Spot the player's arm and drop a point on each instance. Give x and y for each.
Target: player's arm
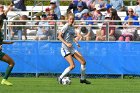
(8, 8)
(62, 40)
(4, 42)
(76, 41)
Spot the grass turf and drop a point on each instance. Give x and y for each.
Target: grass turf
(49, 85)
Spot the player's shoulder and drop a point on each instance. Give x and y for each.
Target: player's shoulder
(65, 26)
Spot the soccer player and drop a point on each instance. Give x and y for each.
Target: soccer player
(67, 36)
(4, 57)
(3, 14)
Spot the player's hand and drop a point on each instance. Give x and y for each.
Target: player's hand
(78, 45)
(77, 39)
(69, 45)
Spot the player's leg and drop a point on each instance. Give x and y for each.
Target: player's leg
(67, 55)
(11, 64)
(80, 58)
(68, 69)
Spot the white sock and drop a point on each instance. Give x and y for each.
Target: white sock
(66, 71)
(83, 72)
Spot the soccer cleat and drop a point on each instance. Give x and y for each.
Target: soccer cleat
(85, 81)
(5, 82)
(59, 80)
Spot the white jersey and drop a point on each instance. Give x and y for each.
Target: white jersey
(68, 36)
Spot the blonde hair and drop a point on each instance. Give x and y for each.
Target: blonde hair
(71, 14)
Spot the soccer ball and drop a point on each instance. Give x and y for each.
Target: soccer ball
(66, 81)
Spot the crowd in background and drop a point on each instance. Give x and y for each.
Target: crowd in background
(83, 10)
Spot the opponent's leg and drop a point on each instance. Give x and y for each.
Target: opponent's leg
(11, 63)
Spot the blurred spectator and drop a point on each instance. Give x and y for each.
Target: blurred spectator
(75, 5)
(78, 12)
(131, 15)
(128, 31)
(108, 8)
(19, 29)
(37, 19)
(47, 11)
(37, 13)
(56, 8)
(57, 2)
(114, 16)
(3, 14)
(42, 32)
(51, 33)
(118, 5)
(101, 35)
(137, 9)
(86, 16)
(19, 5)
(89, 4)
(62, 17)
(52, 15)
(85, 33)
(61, 22)
(102, 4)
(97, 15)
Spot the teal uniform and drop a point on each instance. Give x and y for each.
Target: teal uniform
(1, 40)
(2, 17)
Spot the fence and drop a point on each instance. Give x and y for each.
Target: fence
(56, 27)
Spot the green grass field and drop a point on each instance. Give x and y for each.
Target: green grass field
(49, 85)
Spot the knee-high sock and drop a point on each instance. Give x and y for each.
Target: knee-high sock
(83, 72)
(8, 72)
(66, 71)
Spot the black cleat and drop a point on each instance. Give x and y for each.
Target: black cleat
(85, 81)
(59, 80)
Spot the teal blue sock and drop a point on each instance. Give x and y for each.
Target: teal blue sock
(8, 72)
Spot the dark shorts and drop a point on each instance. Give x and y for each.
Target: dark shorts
(1, 54)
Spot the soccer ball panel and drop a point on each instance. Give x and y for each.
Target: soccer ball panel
(66, 81)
